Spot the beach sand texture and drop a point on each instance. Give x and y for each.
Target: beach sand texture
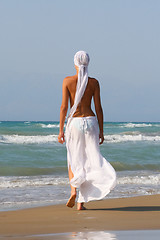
(112, 214)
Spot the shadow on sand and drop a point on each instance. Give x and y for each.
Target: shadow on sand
(137, 208)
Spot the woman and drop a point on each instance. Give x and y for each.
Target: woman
(87, 168)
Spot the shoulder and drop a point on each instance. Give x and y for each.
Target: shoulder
(94, 82)
(68, 79)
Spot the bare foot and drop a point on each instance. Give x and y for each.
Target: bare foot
(71, 201)
(80, 206)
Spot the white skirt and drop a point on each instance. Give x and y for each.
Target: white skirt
(93, 174)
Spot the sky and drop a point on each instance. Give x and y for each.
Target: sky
(38, 40)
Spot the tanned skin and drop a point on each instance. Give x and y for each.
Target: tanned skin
(83, 110)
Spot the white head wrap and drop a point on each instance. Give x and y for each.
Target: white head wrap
(81, 60)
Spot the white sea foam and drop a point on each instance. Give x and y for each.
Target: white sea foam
(18, 139)
(21, 182)
(22, 192)
(34, 181)
(136, 125)
(140, 180)
(117, 138)
(43, 139)
(49, 125)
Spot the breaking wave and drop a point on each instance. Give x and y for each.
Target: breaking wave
(18, 139)
(43, 139)
(136, 125)
(117, 138)
(22, 182)
(140, 180)
(49, 125)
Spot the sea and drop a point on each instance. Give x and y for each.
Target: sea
(33, 165)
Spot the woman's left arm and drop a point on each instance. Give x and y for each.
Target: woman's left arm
(63, 111)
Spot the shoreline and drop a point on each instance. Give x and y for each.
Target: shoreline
(59, 204)
(132, 213)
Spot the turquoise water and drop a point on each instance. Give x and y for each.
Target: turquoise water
(33, 167)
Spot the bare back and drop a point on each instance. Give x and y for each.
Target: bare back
(84, 107)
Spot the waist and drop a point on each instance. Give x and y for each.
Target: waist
(88, 117)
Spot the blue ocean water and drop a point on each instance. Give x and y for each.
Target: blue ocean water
(33, 166)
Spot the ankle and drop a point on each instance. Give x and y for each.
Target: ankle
(73, 192)
(80, 206)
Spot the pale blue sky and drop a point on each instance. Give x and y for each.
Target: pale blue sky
(38, 40)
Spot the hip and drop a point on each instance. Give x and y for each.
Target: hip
(84, 124)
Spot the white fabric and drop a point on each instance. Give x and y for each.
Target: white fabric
(81, 60)
(93, 175)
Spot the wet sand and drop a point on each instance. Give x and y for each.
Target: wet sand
(136, 213)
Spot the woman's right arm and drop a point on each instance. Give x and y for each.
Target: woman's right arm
(63, 111)
(99, 111)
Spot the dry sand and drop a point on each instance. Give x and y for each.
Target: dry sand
(111, 214)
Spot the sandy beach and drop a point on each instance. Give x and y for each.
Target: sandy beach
(112, 214)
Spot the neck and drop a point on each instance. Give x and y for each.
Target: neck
(77, 70)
